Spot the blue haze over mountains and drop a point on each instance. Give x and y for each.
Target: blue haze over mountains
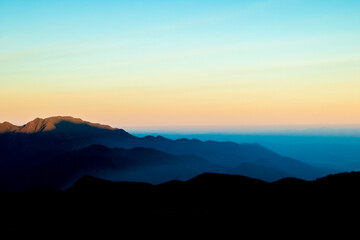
(325, 147)
(53, 153)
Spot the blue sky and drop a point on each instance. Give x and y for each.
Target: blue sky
(260, 62)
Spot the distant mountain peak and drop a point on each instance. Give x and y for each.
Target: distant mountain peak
(7, 127)
(36, 125)
(39, 125)
(58, 119)
(64, 118)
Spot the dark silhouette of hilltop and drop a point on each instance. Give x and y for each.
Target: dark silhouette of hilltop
(211, 194)
(94, 205)
(329, 198)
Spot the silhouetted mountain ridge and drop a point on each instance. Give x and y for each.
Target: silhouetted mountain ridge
(218, 181)
(209, 200)
(58, 146)
(48, 124)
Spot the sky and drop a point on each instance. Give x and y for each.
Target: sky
(190, 63)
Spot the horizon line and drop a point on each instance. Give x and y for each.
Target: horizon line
(250, 129)
(218, 128)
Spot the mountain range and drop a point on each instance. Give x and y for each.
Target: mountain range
(52, 153)
(72, 176)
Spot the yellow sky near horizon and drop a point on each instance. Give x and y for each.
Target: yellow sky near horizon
(203, 104)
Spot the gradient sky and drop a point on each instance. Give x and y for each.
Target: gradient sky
(135, 63)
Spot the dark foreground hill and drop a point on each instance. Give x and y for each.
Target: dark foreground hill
(206, 203)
